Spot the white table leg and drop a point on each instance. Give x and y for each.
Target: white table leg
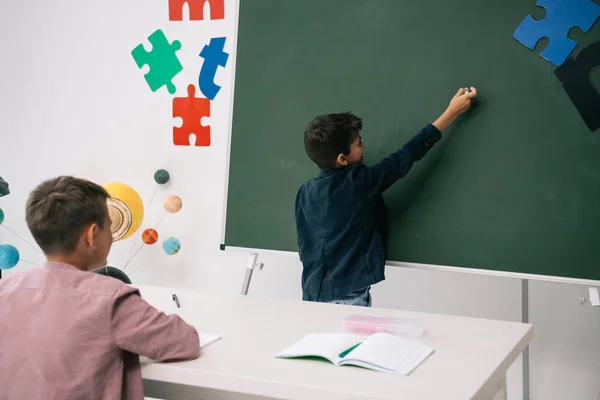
(502, 393)
(504, 389)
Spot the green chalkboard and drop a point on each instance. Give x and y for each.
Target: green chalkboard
(513, 186)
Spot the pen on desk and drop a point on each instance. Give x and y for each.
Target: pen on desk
(176, 300)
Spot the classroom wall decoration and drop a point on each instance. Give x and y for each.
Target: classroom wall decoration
(9, 254)
(161, 176)
(162, 60)
(125, 208)
(132, 215)
(214, 57)
(4, 190)
(173, 204)
(114, 273)
(196, 7)
(561, 17)
(150, 236)
(171, 246)
(573, 74)
(192, 110)
(164, 64)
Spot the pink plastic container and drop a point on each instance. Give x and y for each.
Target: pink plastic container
(367, 325)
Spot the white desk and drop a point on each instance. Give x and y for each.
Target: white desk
(470, 360)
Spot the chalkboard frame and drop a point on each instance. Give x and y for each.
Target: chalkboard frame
(411, 265)
(430, 267)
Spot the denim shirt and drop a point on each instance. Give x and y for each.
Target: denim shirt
(341, 221)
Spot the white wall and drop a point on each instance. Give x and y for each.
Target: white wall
(74, 102)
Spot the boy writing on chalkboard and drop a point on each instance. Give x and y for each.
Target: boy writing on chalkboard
(71, 334)
(341, 215)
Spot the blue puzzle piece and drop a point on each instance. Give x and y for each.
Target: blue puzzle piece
(561, 16)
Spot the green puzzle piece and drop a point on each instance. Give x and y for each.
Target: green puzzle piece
(162, 60)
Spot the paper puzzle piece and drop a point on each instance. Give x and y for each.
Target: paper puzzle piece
(575, 77)
(214, 56)
(196, 8)
(561, 16)
(191, 110)
(162, 60)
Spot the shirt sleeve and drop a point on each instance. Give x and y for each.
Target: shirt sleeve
(140, 328)
(379, 177)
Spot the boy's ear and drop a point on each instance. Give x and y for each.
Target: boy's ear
(91, 235)
(341, 160)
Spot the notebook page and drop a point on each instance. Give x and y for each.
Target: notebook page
(206, 340)
(328, 346)
(388, 353)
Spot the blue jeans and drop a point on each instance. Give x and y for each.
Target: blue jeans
(359, 298)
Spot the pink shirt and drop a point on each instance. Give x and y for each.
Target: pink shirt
(70, 334)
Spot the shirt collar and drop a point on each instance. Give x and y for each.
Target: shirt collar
(329, 172)
(59, 265)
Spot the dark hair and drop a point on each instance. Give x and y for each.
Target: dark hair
(58, 210)
(328, 136)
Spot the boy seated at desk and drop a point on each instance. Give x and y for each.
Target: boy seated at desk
(341, 217)
(70, 334)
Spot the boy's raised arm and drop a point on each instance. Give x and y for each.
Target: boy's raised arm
(381, 176)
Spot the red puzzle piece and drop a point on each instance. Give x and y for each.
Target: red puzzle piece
(191, 109)
(196, 7)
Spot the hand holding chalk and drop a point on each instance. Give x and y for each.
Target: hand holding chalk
(461, 101)
(467, 90)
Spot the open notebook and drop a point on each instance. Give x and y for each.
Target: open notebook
(380, 352)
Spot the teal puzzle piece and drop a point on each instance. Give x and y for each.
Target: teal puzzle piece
(162, 60)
